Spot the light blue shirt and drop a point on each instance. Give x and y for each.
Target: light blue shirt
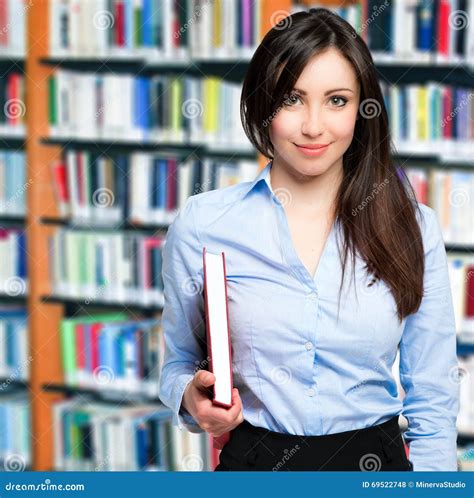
(298, 369)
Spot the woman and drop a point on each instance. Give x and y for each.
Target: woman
(312, 361)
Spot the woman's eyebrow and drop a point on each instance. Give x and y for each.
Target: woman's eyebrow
(325, 93)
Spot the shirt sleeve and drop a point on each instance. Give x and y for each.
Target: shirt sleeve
(182, 319)
(428, 363)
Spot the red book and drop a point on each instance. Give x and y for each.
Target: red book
(447, 104)
(149, 244)
(3, 24)
(61, 190)
(95, 329)
(13, 94)
(470, 293)
(80, 347)
(171, 185)
(80, 178)
(119, 24)
(443, 27)
(219, 347)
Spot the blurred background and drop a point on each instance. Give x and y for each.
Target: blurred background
(113, 114)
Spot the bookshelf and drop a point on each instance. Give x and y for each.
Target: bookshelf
(46, 310)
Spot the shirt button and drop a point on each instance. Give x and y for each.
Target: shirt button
(309, 345)
(310, 392)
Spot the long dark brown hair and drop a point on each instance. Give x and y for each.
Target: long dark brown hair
(381, 226)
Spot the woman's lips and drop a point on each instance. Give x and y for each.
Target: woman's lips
(312, 152)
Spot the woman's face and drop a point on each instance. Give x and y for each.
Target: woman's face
(321, 110)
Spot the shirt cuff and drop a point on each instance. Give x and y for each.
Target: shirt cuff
(181, 417)
(437, 453)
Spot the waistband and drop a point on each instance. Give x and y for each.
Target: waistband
(389, 427)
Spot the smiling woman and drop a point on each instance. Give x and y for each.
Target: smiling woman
(314, 388)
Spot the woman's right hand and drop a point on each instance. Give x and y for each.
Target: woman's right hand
(216, 420)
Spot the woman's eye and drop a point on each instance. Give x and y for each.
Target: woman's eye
(292, 99)
(340, 99)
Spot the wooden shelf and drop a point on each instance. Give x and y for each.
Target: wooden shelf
(108, 396)
(85, 302)
(126, 225)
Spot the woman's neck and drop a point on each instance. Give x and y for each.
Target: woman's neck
(308, 196)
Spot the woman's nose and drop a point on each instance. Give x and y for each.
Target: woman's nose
(312, 124)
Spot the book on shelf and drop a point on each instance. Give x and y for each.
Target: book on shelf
(121, 267)
(226, 30)
(13, 271)
(461, 276)
(120, 29)
(465, 419)
(13, 104)
(466, 458)
(92, 436)
(166, 109)
(140, 187)
(14, 344)
(430, 118)
(13, 23)
(12, 183)
(450, 192)
(411, 30)
(15, 442)
(155, 30)
(109, 352)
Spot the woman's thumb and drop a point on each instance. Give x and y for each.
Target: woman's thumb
(205, 379)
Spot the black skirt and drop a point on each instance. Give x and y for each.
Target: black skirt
(376, 448)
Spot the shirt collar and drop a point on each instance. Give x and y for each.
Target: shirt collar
(264, 176)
